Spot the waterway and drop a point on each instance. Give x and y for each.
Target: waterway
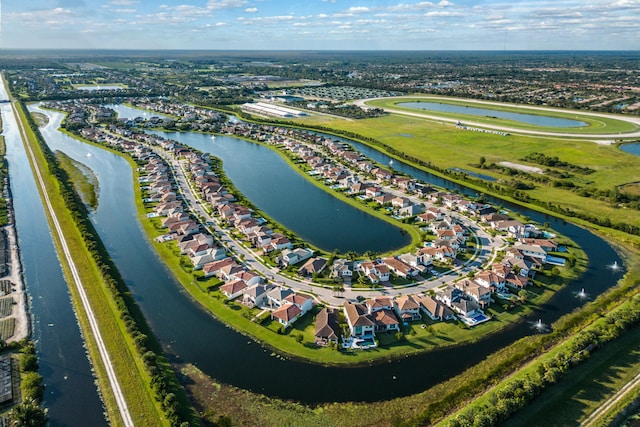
(531, 119)
(93, 88)
(633, 148)
(266, 179)
(190, 334)
(71, 396)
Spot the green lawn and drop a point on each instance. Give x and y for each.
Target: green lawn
(433, 142)
(587, 387)
(595, 125)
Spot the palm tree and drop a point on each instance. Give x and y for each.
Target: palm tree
(28, 414)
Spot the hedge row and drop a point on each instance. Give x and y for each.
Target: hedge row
(516, 394)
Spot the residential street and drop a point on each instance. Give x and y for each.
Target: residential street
(486, 250)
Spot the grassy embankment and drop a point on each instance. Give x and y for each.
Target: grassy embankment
(594, 125)
(83, 178)
(433, 143)
(609, 366)
(129, 368)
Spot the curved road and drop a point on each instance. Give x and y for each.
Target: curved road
(600, 137)
(487, 248)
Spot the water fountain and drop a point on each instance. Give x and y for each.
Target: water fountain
(539, 326)
(615, 267)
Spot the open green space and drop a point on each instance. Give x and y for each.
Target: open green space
(587, 387)
(433, 143)
(595, 125)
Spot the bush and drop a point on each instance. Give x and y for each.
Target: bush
(32, 386)
(28, 362)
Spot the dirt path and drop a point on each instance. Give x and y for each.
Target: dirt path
(21, 307)
(611, 402)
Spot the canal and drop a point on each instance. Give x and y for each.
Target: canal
(70, 393)
(190, 334)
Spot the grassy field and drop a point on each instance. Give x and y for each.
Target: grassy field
(83, 178)
(595, 125)
(587, 387)
(134, 379)
(435, 142)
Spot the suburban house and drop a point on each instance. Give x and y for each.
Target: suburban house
(479, 293)
(212, 268)
(312, 266)
(436, 310)
(358, 319)
(466, 307)
(276, 296)
(407, 308)
(342, 269)
(385, 320)
(534, 251)
(303, 302)
(287, 314)
(327, 328)
(233, 289)
(449, 295)
(293, 256)
(376, 273)
(400, 268)
(254, 295)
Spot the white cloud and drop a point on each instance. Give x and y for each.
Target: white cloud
(358, 9)
(251, 10)
(445, 14)
(123, 2)
(225, 4)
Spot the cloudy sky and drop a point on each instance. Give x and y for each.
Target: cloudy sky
(322, 24)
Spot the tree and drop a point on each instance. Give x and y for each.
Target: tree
(523, 295)
(28, 414)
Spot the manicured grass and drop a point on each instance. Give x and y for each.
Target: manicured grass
(434, 142)
(131, 373)
(605, 125)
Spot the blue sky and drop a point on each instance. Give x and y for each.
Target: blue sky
(322, 24)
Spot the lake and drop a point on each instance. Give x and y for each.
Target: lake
(92, 88)
(633, 148)
(531, 119)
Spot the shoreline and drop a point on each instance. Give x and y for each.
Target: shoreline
(20, 312)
